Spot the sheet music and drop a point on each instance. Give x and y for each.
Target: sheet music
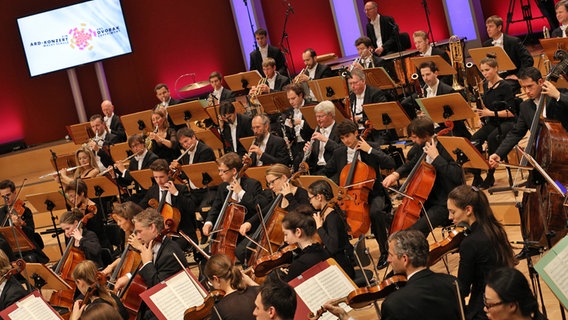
(329, 284)
(33, 307)
(176, 297)
(556, 269)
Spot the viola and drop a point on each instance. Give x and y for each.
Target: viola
(204, 310)
(17, 267)
(278, 259)
(362, 297)
(449, 245)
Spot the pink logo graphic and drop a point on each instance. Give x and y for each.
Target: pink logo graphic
(81, 37)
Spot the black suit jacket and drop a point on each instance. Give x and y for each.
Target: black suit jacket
(556, 33)
(306, 131)
(516, 51)
(333, 143)
(555, 110)
(276, 151)
(203, 153)
(226, 95)
(388, 34)
(133, 166)
(372, 95)
(323, 71)
(273, 52)
(13, 291)
(426, 296)
(244, 129)
(280, 82)
(117, 128)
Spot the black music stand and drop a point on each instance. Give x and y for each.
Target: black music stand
(275, 102)
(145, 177)
(52, 201)
(310, 116)
(503, 59)
(203, 174)
(379, 78)
(333, 88)
(138, 122)
(446, 107)
(386, 115)
(187, 112)
(444, 68)
(80, 133)
(243, 80)
(464, 153)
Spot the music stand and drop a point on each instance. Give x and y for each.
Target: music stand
(503, 60)
(81, 132)
(258, 173)
(247, 141)
(379, 78)
(310, 115)
(120, 151)
(464, 153)
(40, 200)
(214, 111)
(185, 112)
(386, 115)
(210, 139)
(276, 102)
(145, 177)
(446, 107)
(307, 180)
(198, 172)
(444, 68)
(64, 161)
(333, 88)
(45, 278)
(243, 80)
(137, 122)
(23, 243)
(101, 187)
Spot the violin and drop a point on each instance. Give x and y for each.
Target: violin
(17, 267)
(362, 297)
(449, 245)
(204, 310)
(17, 208)
(278, 259)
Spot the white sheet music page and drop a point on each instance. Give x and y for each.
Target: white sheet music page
(33, 307)
(556, 269)
(331, 283)
(177, 296)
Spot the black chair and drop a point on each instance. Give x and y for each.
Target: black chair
(363, 277)
(405, 41)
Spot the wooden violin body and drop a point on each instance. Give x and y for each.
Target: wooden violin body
(204, 310)
(226, 239)
(272, 238)
(449, 245)
(278, 259)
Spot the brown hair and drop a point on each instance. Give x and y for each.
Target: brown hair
(220, 265)
(86, 270)
(421, 127)
(231, 160)
(69, 217)
(496, 20)
(126, 210)
(162, 113)
(4, 263)
(300, 218)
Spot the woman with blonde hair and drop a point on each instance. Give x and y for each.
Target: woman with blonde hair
(88, 168)
(164, 139)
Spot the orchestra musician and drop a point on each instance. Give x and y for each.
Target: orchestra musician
(176, 195)
(23, 218)
(233, 127)
(324, 140)
(299, 228)
(87, 166)
(240, 290)
(498, 100)
(85, 276)
(276, 300)
(164, 139)
(382, 30)
(561, 9)
(425, 49)
(508, 296)
(219, 93)
(274, 80)
(367, 57)
(163, 94)
(102, 138)
(536, 88)
(157, 253)
(484, 249)
(265, 51)
(448, 173)
(331, 225)
(269, 148)
(97, 312)
(427, 294)
(10, 289)
(83, 239)
(312, 71)
(295, 122)
(373, 156)
(142, 160)
(112, 121)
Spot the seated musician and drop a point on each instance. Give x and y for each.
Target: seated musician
(513, 46)
(10, 289)
(274, 80)
(382, 30)
(83, 239)
(23, 218)
(76, 193)
(99, 311)
(176, 195)
(267, 148)
(448, 173)
(246, 191)
(220, 93)
(431, 295)
(240, 290)
(367, 57)
(197, 152)
(164, 139)
(157, 253)
(312, 71)
(86, 278)
(297, 128)
(372, 156)
(276, 300)
(324, 140)
(163, 94)
(498, 100)
(142, 160)
(112, 121)
(123, 213)
(331, 225)
(88, 168)
(100, 142)
(266, 51)
(233, 127)
(299, 228)
(485, 248)
(425, 49)
(537, 88)
(561, 9)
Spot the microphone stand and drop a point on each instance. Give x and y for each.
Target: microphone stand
(395, 29)
(285, 47)
(427, 13)
(251, 24)
(54, 157)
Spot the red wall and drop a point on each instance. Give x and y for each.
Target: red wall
(492, 7)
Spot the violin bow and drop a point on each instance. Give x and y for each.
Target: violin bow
(11, 207)
(460, 302)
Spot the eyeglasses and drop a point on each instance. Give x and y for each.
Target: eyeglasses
(491, 305)
(311, 197)
(270, 183)
(221, 171)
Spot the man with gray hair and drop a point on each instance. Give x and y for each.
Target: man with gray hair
(325, 138)
(267, 148)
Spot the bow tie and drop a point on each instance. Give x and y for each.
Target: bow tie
(496, 42)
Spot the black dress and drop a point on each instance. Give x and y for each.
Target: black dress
(334, 235)
(164, 152)
(309, 257)
(237, 305)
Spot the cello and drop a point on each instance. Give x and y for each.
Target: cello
(356, 181)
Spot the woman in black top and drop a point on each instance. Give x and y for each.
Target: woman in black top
(240, 291)
(331, 225)
(486, 248)
(164, 141)
(497, 115)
